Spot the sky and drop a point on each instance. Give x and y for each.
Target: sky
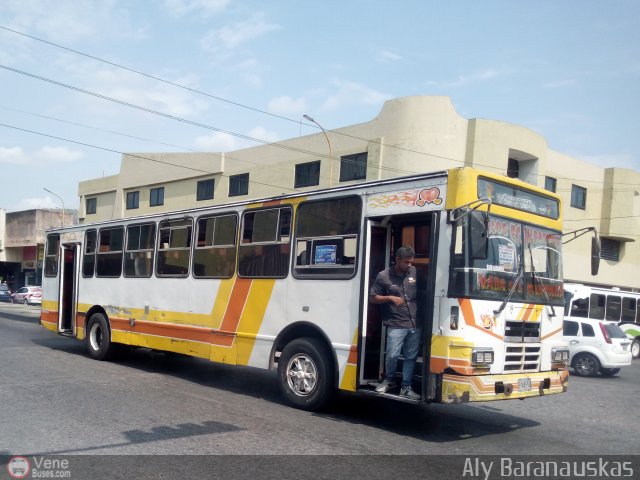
(84, 80)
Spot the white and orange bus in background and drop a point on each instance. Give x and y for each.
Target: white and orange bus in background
(282, 283)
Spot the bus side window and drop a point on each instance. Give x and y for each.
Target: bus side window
(597, 306)
(613, 308)
(264, 248)
(51, 257)
(89, 258)
(628, 309)
(580, 308)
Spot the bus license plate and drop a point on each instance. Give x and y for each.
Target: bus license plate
(524, 384)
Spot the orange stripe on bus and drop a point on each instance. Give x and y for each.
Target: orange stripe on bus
(469, 318)
(237, 300)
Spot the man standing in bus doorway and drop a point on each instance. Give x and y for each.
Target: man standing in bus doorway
(395, 289)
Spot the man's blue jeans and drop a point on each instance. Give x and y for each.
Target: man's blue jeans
(396, 338)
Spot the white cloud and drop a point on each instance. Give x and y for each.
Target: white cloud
(57, 155)
(134, 89)
(217, 142)
(352, 93)
(387, 56)
(288, 106)
(475, 77)
(262, 133)
(13, 156)
(230, 37)
(36, 202)
(67, 21)
(223, 142)
(44, 156)
(179, 8)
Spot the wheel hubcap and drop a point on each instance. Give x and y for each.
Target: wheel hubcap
(585, 365)
(95, 336)
(302, 375)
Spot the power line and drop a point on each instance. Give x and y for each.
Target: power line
(241, 105)
(135, 155)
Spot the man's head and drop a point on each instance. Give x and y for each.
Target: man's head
(404, 258)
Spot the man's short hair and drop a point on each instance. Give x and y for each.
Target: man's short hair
(405, 252)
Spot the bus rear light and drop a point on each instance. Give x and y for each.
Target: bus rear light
(605, 334)
(482, 356)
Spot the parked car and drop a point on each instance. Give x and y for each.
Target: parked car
(5, 293)
(596, 346)
(28, 295)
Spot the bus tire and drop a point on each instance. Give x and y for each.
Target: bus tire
(586, 365)
(635, 348)
(98, 338)
(305, 374)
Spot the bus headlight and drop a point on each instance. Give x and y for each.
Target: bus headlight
(482, 356)
(559, 355)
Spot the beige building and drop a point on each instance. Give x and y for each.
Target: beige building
(22, 239)
(410, 135)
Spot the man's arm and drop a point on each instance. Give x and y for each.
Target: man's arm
(380, 299)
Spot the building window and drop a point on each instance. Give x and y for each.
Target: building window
(578, 197)
(550, 184)
(91, 206)
(609, 249)
(205, 189)
(307, 174)
(156, 197)
(353, 167)
(133, 200)
(239, 185)
(513, 168)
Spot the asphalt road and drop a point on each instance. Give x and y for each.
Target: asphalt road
(55, 400)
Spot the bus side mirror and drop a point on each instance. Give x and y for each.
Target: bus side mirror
(478, 234)
(595, 255)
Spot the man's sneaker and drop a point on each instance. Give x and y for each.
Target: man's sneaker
(385, 386)
(407, 392)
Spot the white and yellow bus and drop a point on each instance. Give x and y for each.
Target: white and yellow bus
(282, 283)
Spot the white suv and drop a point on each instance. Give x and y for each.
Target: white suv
(596, 346)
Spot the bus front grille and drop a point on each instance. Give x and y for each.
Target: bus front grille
(517, 331)
(522, 358)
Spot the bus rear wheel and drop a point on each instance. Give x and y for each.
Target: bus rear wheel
(305, 374)
(98, 337)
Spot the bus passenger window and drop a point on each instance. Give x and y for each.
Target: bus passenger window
(580, 308)
(138, 259)
(109, 261)
(174, 248)
(51, 257)
(215, 252)
(264, 250)
(597, 306)
(628, 309)
(89, 258)
(327, 233)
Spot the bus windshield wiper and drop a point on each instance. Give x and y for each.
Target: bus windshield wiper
(544, 289)
(510, 294)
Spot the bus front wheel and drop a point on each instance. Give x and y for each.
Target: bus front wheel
(98, 337)
(305, 374)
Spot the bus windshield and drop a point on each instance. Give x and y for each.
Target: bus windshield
(520, 257)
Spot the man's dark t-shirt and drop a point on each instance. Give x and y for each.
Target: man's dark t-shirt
(388, 282)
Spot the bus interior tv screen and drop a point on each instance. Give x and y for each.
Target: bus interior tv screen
(325, 255)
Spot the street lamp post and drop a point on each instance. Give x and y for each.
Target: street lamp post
(328, 142)
(61, 201)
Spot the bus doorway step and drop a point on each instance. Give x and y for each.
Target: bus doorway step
(392, 395)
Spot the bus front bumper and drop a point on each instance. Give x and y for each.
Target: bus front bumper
(484, 388)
